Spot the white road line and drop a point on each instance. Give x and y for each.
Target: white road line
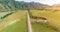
(29, 23)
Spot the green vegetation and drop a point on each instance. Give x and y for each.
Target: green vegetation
(16, 21)
(41, 27)
(6, 15)
(20, 25)
(12, 5)
(52, 17)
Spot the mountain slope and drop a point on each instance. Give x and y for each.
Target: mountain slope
(9, 5)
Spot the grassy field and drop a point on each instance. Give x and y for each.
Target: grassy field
(16, 22)
(52, 17)
(2, 14)
(41, 27)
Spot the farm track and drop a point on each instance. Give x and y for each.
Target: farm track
(7, 23)
(29, 23)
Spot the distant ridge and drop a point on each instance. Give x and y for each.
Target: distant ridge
(9, 5)
(57, 5)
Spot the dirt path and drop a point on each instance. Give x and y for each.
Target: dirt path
(29, 23)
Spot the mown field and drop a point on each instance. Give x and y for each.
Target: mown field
(52, 17)
(16, 22)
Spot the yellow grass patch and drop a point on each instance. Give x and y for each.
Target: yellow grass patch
(52, 17)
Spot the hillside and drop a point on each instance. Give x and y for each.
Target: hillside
(9, 5)
(55, 7)
(35, 5)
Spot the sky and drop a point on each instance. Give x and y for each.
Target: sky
(49, 2)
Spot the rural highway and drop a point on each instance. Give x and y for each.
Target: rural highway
(29, 23)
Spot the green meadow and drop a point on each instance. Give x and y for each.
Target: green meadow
(16, 22)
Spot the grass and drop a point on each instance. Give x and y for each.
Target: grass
(41, 27)
(6, 15)
(2, 14)
(52, 17)
(19, 26)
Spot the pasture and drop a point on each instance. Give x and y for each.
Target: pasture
(52, 17)
(16, 22)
